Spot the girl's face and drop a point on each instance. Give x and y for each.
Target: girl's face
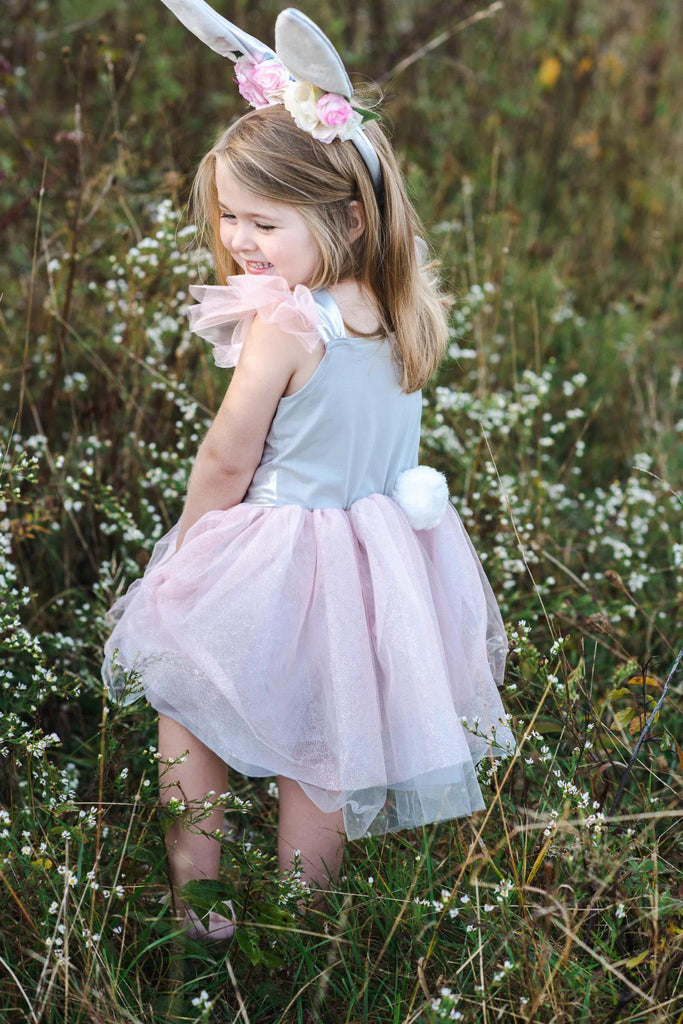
(264, 236)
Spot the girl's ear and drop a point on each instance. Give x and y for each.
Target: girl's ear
(357, 218)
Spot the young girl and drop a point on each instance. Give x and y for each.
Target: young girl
(318, 613)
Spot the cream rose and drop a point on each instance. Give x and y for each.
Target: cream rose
(300, 99)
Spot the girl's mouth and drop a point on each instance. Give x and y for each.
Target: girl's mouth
(258, 268)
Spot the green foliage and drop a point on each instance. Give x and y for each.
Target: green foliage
(540, 145)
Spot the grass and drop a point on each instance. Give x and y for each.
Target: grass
(541, 145)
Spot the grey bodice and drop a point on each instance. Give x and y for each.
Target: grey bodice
(348, 432)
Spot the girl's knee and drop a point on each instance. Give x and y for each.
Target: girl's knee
(317, 835)
(295, 804)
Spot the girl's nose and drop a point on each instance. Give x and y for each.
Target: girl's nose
(241, 240)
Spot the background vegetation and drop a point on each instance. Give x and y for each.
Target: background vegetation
(542, 144)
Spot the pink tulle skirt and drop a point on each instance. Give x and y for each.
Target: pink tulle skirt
(338, 647)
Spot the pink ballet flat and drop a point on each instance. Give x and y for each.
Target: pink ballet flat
(219, 930)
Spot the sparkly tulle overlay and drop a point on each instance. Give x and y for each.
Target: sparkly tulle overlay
(336, 646)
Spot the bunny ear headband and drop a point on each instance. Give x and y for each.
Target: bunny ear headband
(305, 72)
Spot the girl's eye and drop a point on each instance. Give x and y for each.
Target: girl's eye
(263, 227)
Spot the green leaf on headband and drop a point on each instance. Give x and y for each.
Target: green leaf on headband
(368, 115)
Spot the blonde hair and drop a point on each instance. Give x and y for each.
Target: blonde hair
(273, 158)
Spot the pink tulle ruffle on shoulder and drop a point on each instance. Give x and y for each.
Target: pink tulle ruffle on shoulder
(223, 313)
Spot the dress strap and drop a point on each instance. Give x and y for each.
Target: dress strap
(331, 321)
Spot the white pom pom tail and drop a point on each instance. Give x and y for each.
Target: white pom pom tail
(422, 493)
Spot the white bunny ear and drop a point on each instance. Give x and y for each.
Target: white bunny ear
(216, 31)
(308, 54)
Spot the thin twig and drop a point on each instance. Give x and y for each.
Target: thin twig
(644, 733)
(493, 8)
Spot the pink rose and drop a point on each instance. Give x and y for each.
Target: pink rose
(334, 110)
(271, 77)
(258, 80)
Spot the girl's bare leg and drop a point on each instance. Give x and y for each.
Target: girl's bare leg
(190, 854)
(319, 837)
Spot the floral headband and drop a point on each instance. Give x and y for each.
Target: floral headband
(305, 73)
